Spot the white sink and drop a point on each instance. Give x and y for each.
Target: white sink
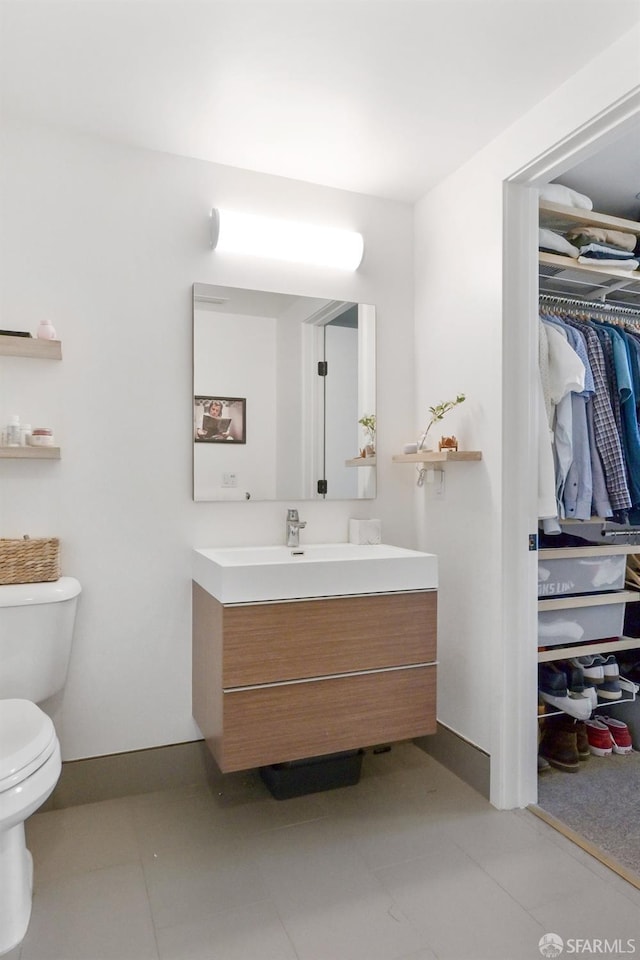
(250, 574)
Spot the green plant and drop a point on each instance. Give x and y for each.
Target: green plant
(368, 422)
(437, 413)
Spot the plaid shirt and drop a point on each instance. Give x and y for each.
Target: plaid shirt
(606, 431)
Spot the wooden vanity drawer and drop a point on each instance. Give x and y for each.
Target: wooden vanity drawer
(267, 725)
(268, 642)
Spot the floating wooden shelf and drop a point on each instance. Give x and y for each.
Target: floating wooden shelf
(437, 456)
(361, 462)
(29, 453)
(30, 347)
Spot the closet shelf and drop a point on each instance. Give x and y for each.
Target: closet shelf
(564, 553)
(30, 347)
(589, 600)
(609, 703)
(595, 273)
(29, 453)
(588, 649)
(556, 216)
(437, 456)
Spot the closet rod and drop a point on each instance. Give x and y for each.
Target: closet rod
(588, 305)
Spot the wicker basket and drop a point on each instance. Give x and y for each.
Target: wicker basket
(29, 561)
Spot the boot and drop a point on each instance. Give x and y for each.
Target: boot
(559, 744)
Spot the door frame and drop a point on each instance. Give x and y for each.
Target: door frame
(513, 759)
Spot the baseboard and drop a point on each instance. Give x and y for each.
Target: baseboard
(183, 764)
(465, 759)
(139, 771)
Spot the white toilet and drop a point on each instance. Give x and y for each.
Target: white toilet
(36, 627)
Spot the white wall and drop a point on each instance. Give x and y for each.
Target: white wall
(235, 356)
(459, 278)
(107, 240)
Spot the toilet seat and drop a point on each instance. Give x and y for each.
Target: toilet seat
(28, 740)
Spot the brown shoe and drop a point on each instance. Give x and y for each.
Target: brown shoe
(582, 741)
(559, 744)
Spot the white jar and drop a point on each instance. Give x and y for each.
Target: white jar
(13, 431)
(25, 434)
(46, 330)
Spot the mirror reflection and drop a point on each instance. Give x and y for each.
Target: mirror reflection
(283, 396)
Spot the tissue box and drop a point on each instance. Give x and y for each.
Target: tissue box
(365, 531)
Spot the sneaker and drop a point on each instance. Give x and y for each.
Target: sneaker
(589, 689)
(552, 688)
(610, 688)
(599, 737)
(592, 670)
(552, 680)
(620, 736)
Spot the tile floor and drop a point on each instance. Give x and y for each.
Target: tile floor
(410, 864)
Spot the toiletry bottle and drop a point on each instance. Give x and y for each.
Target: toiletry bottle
(46, 330)
(25, 434)
(13, 431)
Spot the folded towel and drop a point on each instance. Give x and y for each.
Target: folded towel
(548, 240)
(617, 238)
(556, 193)
(626, 265)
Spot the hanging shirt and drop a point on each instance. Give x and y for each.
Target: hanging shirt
(606, 434)
(577, 494)
(566, 375)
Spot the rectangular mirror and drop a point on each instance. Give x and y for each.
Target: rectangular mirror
(280, 385)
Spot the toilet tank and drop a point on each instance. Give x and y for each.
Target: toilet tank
(36, 628)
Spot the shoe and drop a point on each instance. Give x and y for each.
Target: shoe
(610, 688)
(582, 740)
(600, 741)
(552, 680)
(589, 689)
(543, 765)
(592, 670)
(552, 688)
(620, 736)
(558, 745)
(576, 706)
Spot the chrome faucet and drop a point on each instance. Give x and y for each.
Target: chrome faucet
(294, 526)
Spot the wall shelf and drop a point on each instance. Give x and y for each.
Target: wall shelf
(437, 456)
(30, 347)
(361, 462)
(29, 453)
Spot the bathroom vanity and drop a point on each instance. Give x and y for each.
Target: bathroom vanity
(281, 677)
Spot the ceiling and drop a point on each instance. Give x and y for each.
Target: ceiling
(383, 97)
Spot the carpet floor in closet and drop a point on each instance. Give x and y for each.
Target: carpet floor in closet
(601, 803)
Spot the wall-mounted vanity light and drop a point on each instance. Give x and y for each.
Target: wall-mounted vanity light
(285, 240)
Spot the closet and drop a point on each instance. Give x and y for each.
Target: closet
(589, 554)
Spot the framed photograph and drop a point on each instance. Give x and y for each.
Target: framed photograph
(219, 419)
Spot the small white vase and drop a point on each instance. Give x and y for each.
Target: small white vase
(46, 330)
